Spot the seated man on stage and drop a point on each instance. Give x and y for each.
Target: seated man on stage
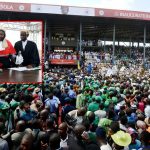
(28, 50)
(6, 51)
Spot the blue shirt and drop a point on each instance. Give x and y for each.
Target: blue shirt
(52, 104)
(27, 116)
(72, 94)
(89, 68)
(137, 145)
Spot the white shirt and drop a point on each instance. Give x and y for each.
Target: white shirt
(24, 43)
(74, 57)
(1, 48)
(106, 147)
(73, 114)
(147, 111)
(63, 143)
(123, 127)
(69, 57)
(57, 99)
(100, 113)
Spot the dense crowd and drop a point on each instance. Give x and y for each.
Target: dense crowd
(119, 103)
(77, 110)
(121, 52)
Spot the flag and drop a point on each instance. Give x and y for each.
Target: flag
(79, 65)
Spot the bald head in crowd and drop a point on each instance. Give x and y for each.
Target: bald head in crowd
(20, 126)
(81, 111)
(79, 129)
(54, 141)
(44, 114)
(62, 129)
(26, 142)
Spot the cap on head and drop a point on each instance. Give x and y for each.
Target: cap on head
(100, 132)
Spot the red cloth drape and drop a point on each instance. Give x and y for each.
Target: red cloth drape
(9, 50)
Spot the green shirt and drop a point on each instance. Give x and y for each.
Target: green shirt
(80, 102)
(93, 106)
(104, 122)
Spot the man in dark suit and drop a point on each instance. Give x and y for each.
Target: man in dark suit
(28, 50)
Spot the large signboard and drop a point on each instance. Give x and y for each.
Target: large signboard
(73, 10)
(20, 7)
(63, 59)
(66, 10)
(122, 14)
(63, 62)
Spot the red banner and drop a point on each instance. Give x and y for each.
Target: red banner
(21, 7)
(63, 62)
(122, 14)
(72, 10)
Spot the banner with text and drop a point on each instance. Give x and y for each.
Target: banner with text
(63, 62)
(20, 7)
(122, 14)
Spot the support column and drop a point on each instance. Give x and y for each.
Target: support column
(118, 43)
(144, 44)
(104, 51)
(45, 26)
(114, 34)
(130, 47)
(77, 39)
(49, 40)
(138, 44)
(80, 41)
(104, 45)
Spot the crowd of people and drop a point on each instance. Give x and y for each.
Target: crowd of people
(77, 110)
(112, 111)
(121, 52)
